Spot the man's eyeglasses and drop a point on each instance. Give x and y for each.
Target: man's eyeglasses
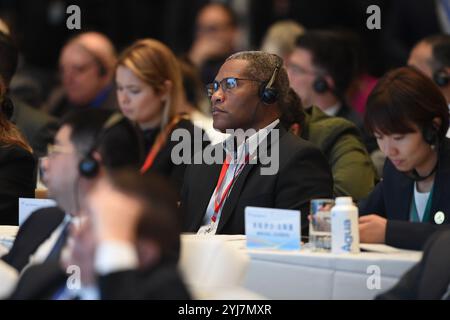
(53, 149)
(226, 83)
(295, 68)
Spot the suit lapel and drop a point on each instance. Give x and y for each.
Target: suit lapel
(207, 183)
(233, 198)
(236, 191)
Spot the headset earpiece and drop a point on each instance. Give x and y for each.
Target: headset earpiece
(441, 78)
(430, 135)
(320, 85)
(89, 166)
(267, 92)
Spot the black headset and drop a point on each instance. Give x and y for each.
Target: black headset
(320, 85)
(267, 92)
(430, 135)
(441, 77)
(89, 166)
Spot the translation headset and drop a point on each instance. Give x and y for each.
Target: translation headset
(431, 136)
(89, 166)
(320, 85)
(267, 92)
(441, 77)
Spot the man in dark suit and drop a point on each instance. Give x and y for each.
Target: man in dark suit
(321, 69)
(119, 256)
(265, 166)
(430, 278)
(89, 139)
(87, 63)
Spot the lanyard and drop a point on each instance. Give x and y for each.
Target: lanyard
(160, 141)
(220, 195)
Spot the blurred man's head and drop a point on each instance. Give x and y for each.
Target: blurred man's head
(321, 68)
(217, 22)
(84, 134)
(87, 65)
(432, 56)
(141, 209)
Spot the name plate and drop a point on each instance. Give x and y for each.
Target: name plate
(268, 228)
(28, 205)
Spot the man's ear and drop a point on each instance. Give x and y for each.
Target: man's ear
(96, 155)
(296, 129)
(330, 82)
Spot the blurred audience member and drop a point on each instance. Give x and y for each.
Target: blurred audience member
(150, 91)
(37, 127)
(409, 117)
(87, 67)
(340, 142)
(215, 39)
(280, 38)
(125, 248)
(321, 70)
(17, 163)
(88, 143)
(432, 56)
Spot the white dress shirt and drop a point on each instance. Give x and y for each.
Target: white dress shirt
(250, 146)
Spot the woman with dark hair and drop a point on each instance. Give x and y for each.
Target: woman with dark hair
(17, 164)
(409, 117)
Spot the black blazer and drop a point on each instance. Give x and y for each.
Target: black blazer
(17, 179)
(163, 163)
(303, 175)
(392, 198)
(161, 282)
(430, 278)
(34, 231)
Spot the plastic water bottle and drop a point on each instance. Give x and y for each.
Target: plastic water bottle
(344, 226)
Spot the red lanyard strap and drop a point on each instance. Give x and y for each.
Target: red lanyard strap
(223, 195)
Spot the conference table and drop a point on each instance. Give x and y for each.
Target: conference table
(216, 263)
(306, 274)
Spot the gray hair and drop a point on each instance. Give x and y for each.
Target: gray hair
(261, 66)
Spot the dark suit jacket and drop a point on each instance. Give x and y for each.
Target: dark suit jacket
(34, 231)
(161, 282)
(59, 105)
(303, 175)
(163, 163)
(430, 278)
(392, 198)
(17, 179)
(38, 127)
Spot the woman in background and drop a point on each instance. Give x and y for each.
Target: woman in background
(17, 164)
(149, 91)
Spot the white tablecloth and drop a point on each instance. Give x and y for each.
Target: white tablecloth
(311, 275)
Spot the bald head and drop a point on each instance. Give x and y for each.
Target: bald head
(98, 45)
(87, 65)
